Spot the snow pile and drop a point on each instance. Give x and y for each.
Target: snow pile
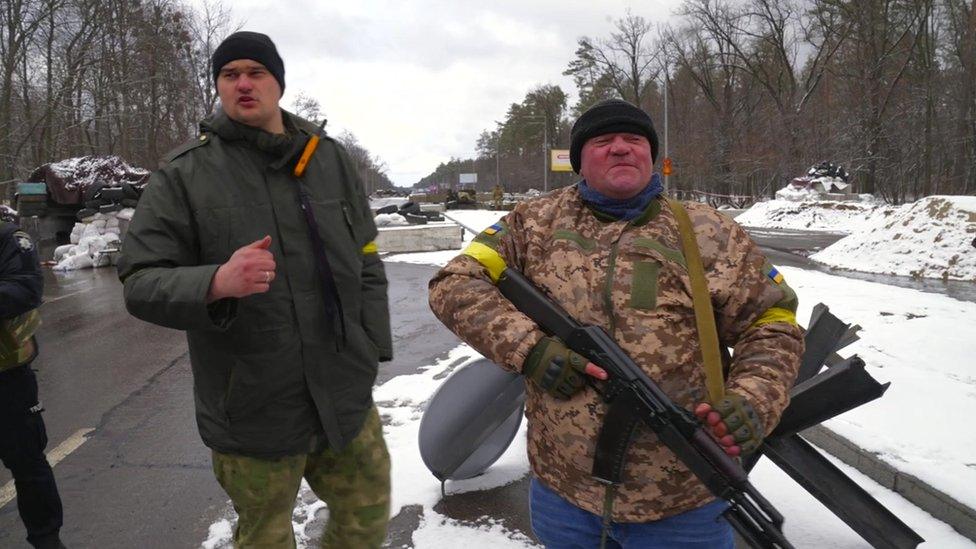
(84, 171)
(94, 242)
(7, 213)
(934, 237)
(376, 203)
(793, 193)
(390, 220)
(811, 215)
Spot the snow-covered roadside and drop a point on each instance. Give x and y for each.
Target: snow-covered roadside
(823, 215)
(934, 237)
(923, 344)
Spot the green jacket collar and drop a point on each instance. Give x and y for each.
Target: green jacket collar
(282, 148)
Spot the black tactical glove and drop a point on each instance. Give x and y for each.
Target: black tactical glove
(558, 370)
(742, 422)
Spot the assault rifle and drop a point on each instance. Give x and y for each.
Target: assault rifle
(633, 397)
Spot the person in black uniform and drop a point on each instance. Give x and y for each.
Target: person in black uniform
(22, 433)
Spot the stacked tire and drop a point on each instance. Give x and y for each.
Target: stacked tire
(104, 199)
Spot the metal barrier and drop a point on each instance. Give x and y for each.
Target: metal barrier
(715, 200)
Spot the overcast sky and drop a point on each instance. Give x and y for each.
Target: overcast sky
(417, 81)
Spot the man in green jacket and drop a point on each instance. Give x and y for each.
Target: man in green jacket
(278, 284)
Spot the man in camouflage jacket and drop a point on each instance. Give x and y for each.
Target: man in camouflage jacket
(608, 251)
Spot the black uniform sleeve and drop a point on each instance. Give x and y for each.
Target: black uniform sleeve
(21, 280)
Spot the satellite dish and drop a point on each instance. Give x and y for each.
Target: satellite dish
(471, 420)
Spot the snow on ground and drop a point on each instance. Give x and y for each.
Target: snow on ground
(811, 215)
(919, 342)
(376, 203)
(934, 237)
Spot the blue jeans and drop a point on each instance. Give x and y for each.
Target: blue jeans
(561, 525)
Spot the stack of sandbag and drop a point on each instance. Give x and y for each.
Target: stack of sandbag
(95, 241)
(390, 220)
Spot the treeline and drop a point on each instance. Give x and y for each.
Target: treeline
(124, 77)
(760, 90)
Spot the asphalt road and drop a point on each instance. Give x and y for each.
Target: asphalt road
(142, 478)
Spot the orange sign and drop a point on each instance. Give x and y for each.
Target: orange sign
(666, 168)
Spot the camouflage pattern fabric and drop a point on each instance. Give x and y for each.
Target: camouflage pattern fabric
(354, 483)
(631, 279)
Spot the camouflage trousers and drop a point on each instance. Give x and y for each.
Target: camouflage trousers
(354, 483)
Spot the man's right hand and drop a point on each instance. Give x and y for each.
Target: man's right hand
(249, 271)
(558, 370)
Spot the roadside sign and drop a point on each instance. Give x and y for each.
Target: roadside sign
(465, 178)
(559, 160)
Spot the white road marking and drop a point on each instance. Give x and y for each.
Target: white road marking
(8, 492)
(60, 297)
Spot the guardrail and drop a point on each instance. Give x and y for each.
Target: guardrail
(715, 200)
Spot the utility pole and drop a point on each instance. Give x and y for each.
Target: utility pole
(667, 173)
(545, 155)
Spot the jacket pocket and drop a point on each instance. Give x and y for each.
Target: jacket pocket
(658, 276)
(342, 251)
(261, 371)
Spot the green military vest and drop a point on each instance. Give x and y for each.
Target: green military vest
(16, 345)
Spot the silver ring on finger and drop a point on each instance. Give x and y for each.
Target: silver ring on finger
(267, 277)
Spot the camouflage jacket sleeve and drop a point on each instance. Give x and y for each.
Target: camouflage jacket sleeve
(755, 311)
(464, 297)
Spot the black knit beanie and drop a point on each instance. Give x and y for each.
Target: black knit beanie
(610, 116)
(249, 45)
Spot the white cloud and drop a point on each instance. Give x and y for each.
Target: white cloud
(418, 81)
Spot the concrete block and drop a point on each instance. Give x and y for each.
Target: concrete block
(439, 207)
(420, 238)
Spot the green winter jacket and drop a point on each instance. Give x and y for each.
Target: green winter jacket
(269, 379)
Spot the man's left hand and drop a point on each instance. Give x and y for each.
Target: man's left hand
(734, 424)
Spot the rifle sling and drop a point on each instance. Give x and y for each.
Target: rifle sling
(623, 412)
(704, 315)
(330, 293)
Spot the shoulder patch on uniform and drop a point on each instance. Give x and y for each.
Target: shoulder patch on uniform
(772, 273)
(492, 234)
(199, 141)
(24, 241)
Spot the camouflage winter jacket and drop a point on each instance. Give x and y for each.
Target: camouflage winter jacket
(630, 278)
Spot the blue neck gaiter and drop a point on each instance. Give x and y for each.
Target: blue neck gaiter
(624, 209)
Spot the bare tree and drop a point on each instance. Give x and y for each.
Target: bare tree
(625, 63)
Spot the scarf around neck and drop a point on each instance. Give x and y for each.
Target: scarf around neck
(624, 209)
